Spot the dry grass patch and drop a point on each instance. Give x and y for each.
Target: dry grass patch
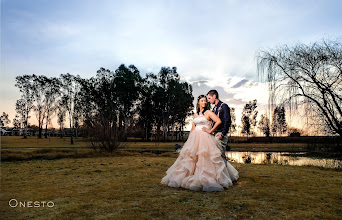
(9, 142)
(53, 153)
(129, 187)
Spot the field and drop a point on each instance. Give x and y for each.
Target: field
(84, 184)
(128, 187)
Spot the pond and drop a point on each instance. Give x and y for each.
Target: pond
(281, 158)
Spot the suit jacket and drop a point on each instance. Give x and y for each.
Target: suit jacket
(223, 111)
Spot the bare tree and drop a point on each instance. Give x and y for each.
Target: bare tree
(309, 75)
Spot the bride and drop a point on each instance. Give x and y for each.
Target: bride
(199, 165)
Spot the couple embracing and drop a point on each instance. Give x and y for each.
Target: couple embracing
(202, 164)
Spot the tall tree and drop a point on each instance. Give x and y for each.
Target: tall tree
(309, 75)
(22, 109)
(147, 106)
(25, 104)
(61, 113)
(179, 103)
(4, 120)
(182, 106)
(70, 87)
(249, 115)
(17, 121)
(264, 125)
(101, 120)
(51, 93)
(232, 129)
(279, 125)
(128, 83)
(167, 104)
(38, 88)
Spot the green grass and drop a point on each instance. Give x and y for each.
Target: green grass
(128, 187)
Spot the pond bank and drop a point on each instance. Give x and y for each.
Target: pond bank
(283, 158)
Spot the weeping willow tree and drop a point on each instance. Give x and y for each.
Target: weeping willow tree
(309, 76)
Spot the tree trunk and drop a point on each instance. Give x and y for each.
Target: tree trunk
(46, 131)
(72, 132)
(47, 121)
(26, 124)
(40, 130)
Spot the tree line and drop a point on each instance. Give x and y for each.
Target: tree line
(278, 127)
(108, 107)
(116, 104)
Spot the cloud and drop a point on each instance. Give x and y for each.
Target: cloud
(241, 83)
(212, 45)
(235, 91)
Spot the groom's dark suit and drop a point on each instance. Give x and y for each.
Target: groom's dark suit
(223, 111)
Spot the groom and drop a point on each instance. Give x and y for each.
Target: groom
(223, 112)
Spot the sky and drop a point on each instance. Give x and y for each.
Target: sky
(213, 44)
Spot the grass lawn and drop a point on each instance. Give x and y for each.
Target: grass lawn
(128, 187)
(11, 142)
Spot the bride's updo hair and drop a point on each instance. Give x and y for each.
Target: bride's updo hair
(198, 104)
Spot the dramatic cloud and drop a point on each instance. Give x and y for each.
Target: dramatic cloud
(241, 83)
(213, 45)
(235, 96)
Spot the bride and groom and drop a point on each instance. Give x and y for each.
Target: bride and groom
(202, 164)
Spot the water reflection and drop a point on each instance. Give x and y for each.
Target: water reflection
(281, 158)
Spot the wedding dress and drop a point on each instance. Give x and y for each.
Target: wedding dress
(199, 165)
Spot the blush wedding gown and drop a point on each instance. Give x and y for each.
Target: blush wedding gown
(199, 165)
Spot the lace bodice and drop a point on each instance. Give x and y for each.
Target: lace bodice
(200, 122)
